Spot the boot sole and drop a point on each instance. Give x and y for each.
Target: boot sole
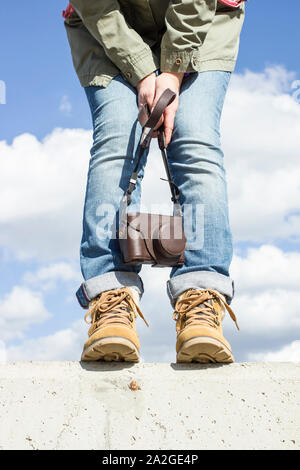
(204, 350)
(111, 349)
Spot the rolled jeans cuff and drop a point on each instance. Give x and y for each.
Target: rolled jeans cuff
(112, 280)
(200, 280)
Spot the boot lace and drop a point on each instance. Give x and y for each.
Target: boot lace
(112, 306)
(196, 307)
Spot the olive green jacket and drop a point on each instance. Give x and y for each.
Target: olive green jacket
(137, 37)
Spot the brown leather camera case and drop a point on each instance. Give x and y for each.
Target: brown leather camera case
(153, 239)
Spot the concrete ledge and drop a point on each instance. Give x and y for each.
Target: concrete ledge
(91, 406)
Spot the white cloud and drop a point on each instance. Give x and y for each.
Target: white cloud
(20, 309)
(267, 299)
(63, 345)
(289, 353)
(42, 184)
(274, 81)
(266, 268)
(261, 133)
(271, 314)
(47, 277)
(65, 105)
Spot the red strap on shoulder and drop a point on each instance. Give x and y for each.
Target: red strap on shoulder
(68, 11)
(232, 3)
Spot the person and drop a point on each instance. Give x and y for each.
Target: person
(126, 53)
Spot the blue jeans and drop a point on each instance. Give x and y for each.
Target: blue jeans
(196, 164)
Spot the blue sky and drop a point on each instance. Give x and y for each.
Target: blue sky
(35, 64)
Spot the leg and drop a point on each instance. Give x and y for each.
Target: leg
(196, 162)
(200, 288)
(113, 155)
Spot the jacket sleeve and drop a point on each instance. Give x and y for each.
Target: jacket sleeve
(121, 43)
(187, 24)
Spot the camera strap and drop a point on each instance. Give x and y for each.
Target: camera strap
(164, 100)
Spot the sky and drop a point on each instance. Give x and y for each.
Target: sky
(45, 136)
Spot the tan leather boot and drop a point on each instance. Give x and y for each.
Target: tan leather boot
(113, 336)
(199, 315)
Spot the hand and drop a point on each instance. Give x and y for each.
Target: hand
(146, 90)
(173, 81)
(150, 89)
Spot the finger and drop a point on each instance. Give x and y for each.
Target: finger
(150, 98)
(169, 117)
(145, 97)
(141, 101)
(142, 98)
(168, 135)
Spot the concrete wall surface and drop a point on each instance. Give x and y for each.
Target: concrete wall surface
(71, 405)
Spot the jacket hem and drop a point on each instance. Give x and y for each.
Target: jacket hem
(104, 80)
(96, 80)
(226, 65)
(194, 63)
